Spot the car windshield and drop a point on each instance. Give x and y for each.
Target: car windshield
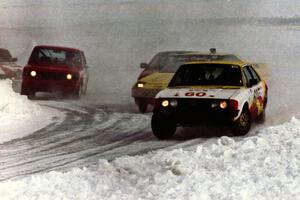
(172, 61)
(5, 55)
(55, 57)
(207, 74)
(163, 59)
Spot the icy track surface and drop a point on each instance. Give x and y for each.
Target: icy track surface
(20, 117)
(264, 166)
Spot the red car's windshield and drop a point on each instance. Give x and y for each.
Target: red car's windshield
(55, 57)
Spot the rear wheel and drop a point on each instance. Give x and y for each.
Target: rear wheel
(242, 125)
(143, 106)
(261, 118)
(31, 96)
(162, 127)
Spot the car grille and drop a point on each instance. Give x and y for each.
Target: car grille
(194, 105)
(51, 76)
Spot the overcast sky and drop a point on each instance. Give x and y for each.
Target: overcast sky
(16, 12)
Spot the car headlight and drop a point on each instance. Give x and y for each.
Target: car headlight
(69, 76)
(140, 85)
(223, 104)
(173, 102)
(33, 73)
(165, 103)
(214, 104)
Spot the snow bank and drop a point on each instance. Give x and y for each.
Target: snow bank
(264, 166)
(19, 116)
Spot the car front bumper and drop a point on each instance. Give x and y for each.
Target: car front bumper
(31, 86)
(195, 114)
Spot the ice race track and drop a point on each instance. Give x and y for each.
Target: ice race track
(73, 135)
(100, 147)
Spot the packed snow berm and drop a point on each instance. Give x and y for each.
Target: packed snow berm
(18, 113)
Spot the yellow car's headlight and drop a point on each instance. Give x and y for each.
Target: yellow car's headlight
(140, 85)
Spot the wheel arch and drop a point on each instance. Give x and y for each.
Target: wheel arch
(244, 107)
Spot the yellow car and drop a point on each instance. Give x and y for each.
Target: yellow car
(158, 73)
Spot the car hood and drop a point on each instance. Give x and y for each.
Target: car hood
(156, 80)
(204, 93)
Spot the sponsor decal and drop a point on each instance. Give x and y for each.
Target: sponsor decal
(198, 94)
(190, 94)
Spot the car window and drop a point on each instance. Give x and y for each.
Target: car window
(83, 58)
(250, 74)
(207, 74)
(56, 57)
(254, 73)
(170, 62)
(247, 75)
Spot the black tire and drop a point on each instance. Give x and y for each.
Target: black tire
(78, 93)
(31, 96)
(261, 118)
(84, 89)
(162, 127)
(142, 106)
(242, 125)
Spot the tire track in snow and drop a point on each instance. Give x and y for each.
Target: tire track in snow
(81, 138)
(87, 134)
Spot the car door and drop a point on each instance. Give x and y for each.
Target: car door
(85, 72)
(255, 91)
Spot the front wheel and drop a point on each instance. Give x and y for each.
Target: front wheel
(78, 93)
(31, 96)
(162, 127)
(242, 125)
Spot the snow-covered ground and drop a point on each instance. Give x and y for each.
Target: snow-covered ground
(116, 38)
(19, 116)
(264, 166)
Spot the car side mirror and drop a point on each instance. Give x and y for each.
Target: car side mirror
(14, 59)
(144, 65)
(253, 82)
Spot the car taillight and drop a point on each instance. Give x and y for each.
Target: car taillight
(233, 104)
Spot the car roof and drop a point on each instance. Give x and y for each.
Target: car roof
(238, 63)
(57, 47)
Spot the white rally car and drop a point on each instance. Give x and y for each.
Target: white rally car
(230, 93)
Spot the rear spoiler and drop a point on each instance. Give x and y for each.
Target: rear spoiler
(263, 70)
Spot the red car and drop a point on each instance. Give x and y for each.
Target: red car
(8, 67)
(55, 69)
